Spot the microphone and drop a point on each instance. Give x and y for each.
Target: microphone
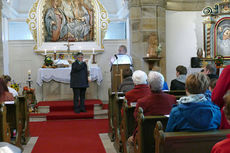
(116, 56)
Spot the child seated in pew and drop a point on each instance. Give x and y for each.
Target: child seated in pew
(157, 103)
(5, 95)
(194, 112)
(224, 145)
(7, 80)
(141, 88)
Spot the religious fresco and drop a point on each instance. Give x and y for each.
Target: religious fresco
(70, 20)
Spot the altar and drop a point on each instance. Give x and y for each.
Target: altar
(55, 83)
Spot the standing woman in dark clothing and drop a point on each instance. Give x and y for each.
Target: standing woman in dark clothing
(79, 82)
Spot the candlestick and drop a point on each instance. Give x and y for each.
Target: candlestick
(29, 72)
(93, 51)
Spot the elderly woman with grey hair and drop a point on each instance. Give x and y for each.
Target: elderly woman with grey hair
(141, 88)
(156, 103)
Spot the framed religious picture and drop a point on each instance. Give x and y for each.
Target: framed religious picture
(68, 25)
(69, 20)
(222, 37)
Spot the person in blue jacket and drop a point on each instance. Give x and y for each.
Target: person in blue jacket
(194, 112)
(79, 82)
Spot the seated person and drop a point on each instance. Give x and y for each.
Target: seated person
(127, 83)
(224, 145)
(6, 147)
(212, 84)
(210, 71)
(225, 112)
(141, 88)
(7, 80)
(179, 82)
(157, 103)
(194, 112)
(5, 95)
(222, 86)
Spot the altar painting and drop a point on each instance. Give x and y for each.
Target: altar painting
(69, 20)
(55, 24)
(223, 37)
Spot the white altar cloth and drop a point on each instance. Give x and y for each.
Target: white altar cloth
(63, 75)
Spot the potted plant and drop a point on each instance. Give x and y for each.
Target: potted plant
(219, 60)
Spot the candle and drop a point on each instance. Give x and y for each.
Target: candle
(55, 50)
(45, 52)
(29, 72)
(93, 51)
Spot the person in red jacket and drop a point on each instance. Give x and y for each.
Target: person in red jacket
(141, 88)
(224, 145)
(222, 85)
(157, 103)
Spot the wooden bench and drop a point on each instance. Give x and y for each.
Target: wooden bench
(118, 102)
(128, 124)
(4, 127)
(144, 141)
(111, 112)
(14, 120)
(177, 93)
(24, 115)
(186, 142)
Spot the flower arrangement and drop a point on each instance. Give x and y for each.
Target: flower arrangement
(15, 86)
(48, 61)
(219, 60)
(61, 56)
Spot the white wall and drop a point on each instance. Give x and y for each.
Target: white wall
(184, 35)
(22, 58)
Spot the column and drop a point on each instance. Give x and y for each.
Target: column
(146, 17)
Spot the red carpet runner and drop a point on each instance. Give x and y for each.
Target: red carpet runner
(69, 136)
(64, 110)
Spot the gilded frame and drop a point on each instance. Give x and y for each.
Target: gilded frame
(36, 26)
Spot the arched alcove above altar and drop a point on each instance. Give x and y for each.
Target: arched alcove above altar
(56, 23)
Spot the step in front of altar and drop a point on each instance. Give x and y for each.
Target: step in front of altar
(55, 110)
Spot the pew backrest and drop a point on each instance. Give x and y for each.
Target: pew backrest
(186, 142)
(177, 93)
(4, 128)
(144, 141)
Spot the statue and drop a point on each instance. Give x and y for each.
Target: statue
(153, 45)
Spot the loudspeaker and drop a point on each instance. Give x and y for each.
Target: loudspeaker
(195, 62)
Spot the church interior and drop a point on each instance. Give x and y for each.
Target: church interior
(41, 40)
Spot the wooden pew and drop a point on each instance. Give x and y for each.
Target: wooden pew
(128, 124)
(118, 102)
(186, 142)
(14, 120)
(144, 141)
(24, 115)
(177, 93)
(111, 112)
(4, 127)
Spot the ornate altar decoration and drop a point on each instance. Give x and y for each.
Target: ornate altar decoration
(80, 23)
(217, 30)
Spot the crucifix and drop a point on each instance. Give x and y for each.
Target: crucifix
(68, 47)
